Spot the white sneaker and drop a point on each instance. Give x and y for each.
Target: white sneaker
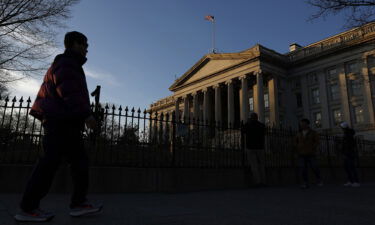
(36, 215)
(349, 184)
(356, 185)
(86, 209)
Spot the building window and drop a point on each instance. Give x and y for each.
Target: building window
(352, 67)
(315, 96)
(337, 116)
(313, 78)
(318, 119)
(297, 83)
(266, 101)
(356, 87)
(251, 103)
(358, 113)
(299, 100)
(335, 92)
(332, 73)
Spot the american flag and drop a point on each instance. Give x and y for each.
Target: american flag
(209, 18)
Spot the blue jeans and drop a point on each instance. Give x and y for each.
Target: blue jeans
(306, 161)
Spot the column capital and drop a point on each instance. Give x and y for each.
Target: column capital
(204, 90)
(195, 93)
(258, 73)
(228, 82)
(243, 77)
(215, 86)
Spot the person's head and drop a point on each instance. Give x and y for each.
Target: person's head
(253, 116)
(76, 41)
(344, 125)
(304, 124)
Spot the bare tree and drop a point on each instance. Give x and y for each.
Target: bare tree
(27, 35)
(358, 12)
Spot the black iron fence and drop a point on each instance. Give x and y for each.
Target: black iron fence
(135, 138)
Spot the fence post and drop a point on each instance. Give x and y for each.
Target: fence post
(173, 139)
(242, 145)
(359, 144)
(98, 117)
(333, 174)
(96, 94)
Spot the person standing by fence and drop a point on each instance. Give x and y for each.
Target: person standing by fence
(350, 155)
(63, 106)
(253, 133)
(306, 142)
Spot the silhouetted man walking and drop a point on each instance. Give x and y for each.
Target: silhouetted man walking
(350, 155)
(307, 142)
(63, 107)
(254, 132)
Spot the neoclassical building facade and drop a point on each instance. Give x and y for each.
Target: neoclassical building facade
(330, 81)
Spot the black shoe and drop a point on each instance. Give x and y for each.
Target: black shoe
(86, 209)
(36, 215)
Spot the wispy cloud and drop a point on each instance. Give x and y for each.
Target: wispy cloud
(103, 76)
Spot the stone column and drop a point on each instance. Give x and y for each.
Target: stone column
(260, 96)
(165, 126)
(218, 114)
(273, 91)
(230, 103)
(344, 94)
(244, 99)
(160, 127)
(205, 106)
(186, 116)
(195, 107)
(177, 109)
(323, 99)
(367, 93)
(305, 97)
(255, 97)
(290, 105)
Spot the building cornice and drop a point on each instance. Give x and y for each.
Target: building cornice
(343, 40)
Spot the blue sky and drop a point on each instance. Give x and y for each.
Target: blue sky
(138, 47)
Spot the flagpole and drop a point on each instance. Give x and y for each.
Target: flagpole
(212, 19)
(213, 36)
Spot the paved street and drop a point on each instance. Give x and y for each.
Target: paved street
(328, 205)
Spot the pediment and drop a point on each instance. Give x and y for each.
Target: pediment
(213, 66)
(213, 63)
(207, 67)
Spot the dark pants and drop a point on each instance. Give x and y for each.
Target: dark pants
(62, 139)
(351, 171)
(304, 162)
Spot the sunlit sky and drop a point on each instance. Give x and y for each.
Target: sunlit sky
(138, 48)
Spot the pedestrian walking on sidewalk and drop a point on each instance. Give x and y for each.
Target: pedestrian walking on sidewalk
(253, 133)
(350, 154)
(63, 107)
(306, 143)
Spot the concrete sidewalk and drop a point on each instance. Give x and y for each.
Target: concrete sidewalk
(328, 205)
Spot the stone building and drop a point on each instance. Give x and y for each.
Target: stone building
(327, 82)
